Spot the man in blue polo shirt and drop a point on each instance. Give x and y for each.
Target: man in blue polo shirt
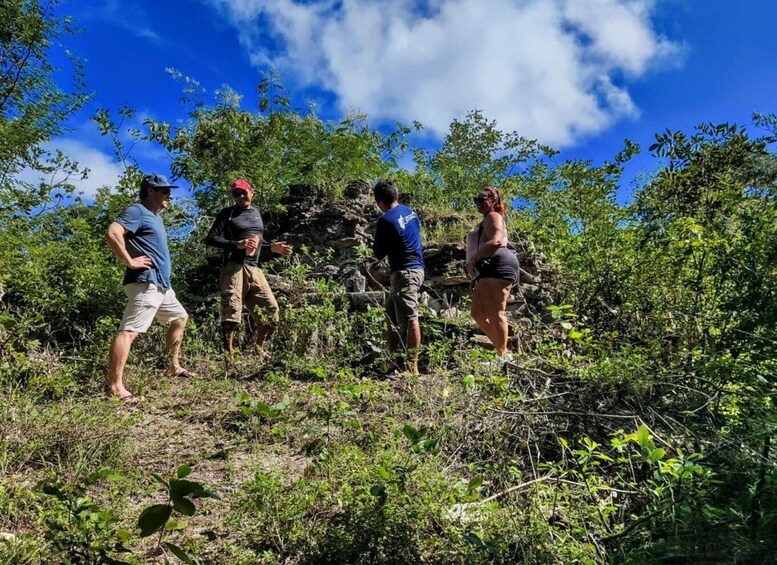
(138, 239)
(398, 236)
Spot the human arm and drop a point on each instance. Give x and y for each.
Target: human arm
(221, 234)
(217, 235)
(382, 239)
(115, 238)
(281, 247)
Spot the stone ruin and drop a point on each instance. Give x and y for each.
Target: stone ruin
(338, 238)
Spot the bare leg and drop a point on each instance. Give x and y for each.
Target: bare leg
(117, 360)
(503, 327)
(262, 333)
(392, 337)
(173, 341)
(229, 329)
(264, 321)
(495, 293)
(413, 345)
(489, 301)
(479, 311)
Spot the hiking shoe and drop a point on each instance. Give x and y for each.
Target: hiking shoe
(499, 362)
(506, 359)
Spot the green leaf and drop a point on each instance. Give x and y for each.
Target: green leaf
(643, 437)
(180, 488)
(411, 433)
(183, 471)
(153, 518)
(174, 525)
(378, 490)
(180, 553)
(184, 506)
(657, 454)
(115, 477)
(384, 474)
(474, 483)
(160, 480)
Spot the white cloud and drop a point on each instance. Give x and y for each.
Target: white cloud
(103, 169)
(545, 68)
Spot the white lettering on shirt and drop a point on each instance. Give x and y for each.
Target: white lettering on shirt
(404, 220)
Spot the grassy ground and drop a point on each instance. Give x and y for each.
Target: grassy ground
(314, 457)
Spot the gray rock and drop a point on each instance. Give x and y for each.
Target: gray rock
(352, 279)
(454, 281)
(357, 189)
(362, 300)
(437, 304)
(345, 242)
(330, 270)
(450, 313)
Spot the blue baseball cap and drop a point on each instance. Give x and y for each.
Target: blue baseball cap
(154, 180)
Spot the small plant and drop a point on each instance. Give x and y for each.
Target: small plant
(419, 445)
(256, 409)
(158, 518)
(568, 321)
(397, 477)
(78, 529)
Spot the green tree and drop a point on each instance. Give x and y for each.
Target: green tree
(680, 289)
(272, 148)
(33, 108)
(38, 237)
(711, 211)
(474, 154)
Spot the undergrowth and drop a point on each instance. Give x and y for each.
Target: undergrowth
(315, 459)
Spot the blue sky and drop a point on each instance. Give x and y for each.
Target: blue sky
(580, 75)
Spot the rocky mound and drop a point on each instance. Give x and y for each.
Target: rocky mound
(338, 236)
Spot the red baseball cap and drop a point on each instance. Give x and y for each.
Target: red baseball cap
(240, 184)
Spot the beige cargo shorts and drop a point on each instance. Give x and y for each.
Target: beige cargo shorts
(148, 302)
(245, 284)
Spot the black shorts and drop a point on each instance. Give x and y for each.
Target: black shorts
(503, 264)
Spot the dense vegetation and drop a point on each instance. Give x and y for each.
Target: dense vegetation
(636, 426)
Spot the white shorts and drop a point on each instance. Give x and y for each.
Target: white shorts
(146, 303)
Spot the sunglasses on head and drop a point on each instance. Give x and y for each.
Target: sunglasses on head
(238, 193)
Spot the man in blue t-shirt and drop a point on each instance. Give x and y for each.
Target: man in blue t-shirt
(138, 239)
(398, 236)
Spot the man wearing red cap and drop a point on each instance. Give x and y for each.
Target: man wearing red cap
(238, 231)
